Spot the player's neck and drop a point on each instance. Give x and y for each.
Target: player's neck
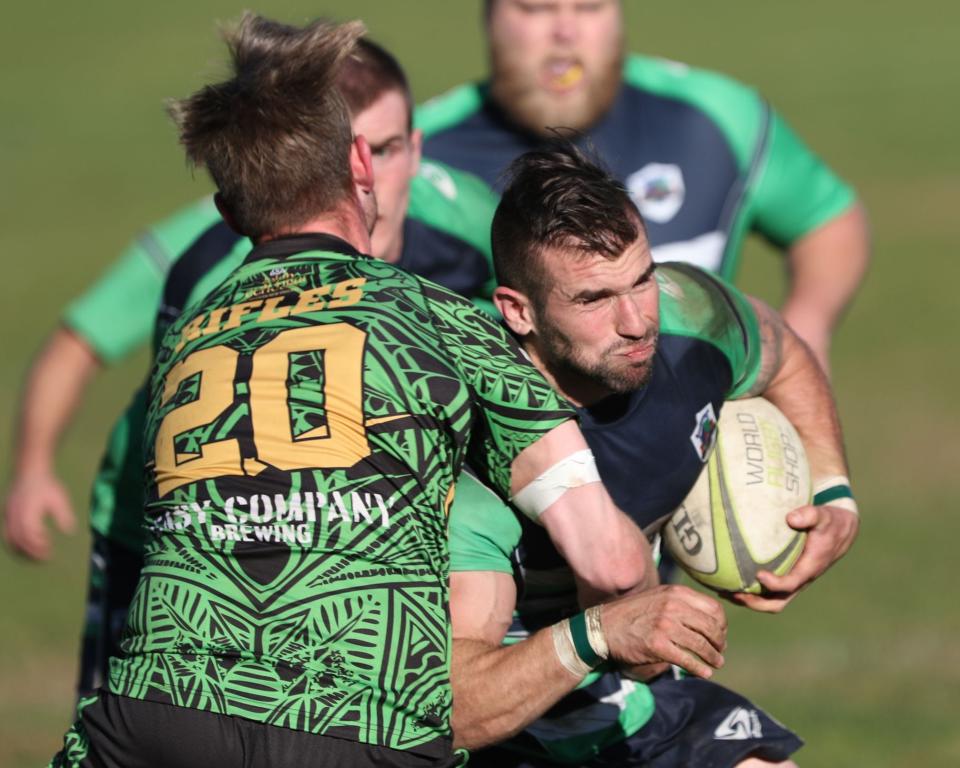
(345, 221)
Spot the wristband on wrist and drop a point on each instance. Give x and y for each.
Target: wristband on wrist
(598, 640)
(836, 492)
(566, 652)
(580, 643)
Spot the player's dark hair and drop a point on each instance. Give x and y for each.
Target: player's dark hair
(368, 73)
(276, 136)
(558, 197)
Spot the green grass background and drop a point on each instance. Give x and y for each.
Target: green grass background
(866, 665)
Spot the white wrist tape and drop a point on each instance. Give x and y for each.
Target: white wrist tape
(836, 492)
(575, 470)
(567, 652)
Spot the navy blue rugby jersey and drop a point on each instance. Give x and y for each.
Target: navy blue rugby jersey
(650, 447)
(705, 158)
(651, 444)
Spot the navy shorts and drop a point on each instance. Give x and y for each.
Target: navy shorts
(694, 723)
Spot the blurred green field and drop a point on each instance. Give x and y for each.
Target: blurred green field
(866, 665)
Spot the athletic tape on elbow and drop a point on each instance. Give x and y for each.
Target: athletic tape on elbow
(573, 471)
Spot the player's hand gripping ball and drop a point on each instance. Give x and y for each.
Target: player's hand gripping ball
(733, 522)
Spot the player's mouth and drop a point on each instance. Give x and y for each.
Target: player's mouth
(562, 74)
(636, 353)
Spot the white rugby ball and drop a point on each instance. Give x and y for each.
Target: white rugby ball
(733, 522)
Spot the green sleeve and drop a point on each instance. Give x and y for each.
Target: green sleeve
(735, 109)
(458, 204)
(449, 108)
(789, 191)
(695, 303)
(455, 202)
(117, 313)
(484, 530)
(794, 192)
(512, 405)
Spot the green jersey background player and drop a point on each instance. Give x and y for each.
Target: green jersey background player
(306, 423)
(705, 158)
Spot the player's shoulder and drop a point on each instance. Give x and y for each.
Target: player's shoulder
(175, 232)
(437, 182)
(449, 108)
(737, 109)
(694, 302)
(453, 201)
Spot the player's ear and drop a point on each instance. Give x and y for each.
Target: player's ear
(361, 164)
(515, 308)
(226, 213)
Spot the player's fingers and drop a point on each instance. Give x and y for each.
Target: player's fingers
(811, 564)
(707, 627)
(699, 601)
(760, 603)
(31, 538)
(803, 518)
(701, 665)
(702, 647)
(62, 513)
(782, 584)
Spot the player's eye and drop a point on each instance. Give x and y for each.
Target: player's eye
(528, 7)
(592, 300)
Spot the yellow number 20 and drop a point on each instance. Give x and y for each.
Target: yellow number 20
(340, 443)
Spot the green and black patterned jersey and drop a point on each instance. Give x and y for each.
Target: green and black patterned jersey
(306, 424)
(446, 238)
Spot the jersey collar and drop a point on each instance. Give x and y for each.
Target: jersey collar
(290, 245)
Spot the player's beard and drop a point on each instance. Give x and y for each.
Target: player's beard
(519, 93)
(609, 371)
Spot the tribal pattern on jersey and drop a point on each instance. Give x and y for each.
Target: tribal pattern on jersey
(306, 424)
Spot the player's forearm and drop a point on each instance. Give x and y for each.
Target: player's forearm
(827, 267)
(606, 551)
(801, 391)
(52, 391)
(498, 690)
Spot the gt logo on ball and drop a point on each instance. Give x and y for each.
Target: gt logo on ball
(686, 532)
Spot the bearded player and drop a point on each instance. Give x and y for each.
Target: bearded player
(649, 355)
(706, 159)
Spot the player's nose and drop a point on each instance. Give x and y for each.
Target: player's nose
(565, 25)
(632, 320)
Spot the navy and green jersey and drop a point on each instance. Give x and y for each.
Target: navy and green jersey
(306, 422)
(446, 239)
(705, 158)
(650, 446)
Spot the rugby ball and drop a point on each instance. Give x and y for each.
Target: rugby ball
(733, 522)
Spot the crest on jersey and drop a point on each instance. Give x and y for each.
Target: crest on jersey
(704, 433)
(440, 178)
(658, 190)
